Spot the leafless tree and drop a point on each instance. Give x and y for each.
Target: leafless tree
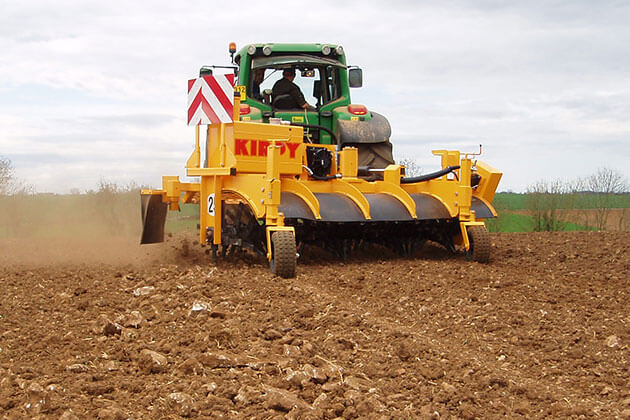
(9, 184)
(6, 176)
(411, 166)
(547, 203)
(604, 185)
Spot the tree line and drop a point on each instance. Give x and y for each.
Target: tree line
(548, 202)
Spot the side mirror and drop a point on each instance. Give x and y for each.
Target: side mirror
(355, 77)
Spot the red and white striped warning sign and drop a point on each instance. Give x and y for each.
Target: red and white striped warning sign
(211, 99)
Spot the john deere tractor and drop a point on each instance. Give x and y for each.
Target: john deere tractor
(325, 80)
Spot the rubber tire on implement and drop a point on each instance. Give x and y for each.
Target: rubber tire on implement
(283, 254)
(479, 239)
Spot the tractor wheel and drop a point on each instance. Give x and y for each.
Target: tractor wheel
(283, 254)
(375, 155)
(479, 244)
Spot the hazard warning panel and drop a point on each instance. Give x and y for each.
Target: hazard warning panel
(211, 99)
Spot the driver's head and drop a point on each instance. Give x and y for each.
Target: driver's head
(289, 74)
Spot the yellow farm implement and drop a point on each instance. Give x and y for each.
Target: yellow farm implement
(264, 187)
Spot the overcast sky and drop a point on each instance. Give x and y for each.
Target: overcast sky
(97, 90)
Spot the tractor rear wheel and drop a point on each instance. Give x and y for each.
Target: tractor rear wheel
(479, 244)
(283, 254)
(375, 155)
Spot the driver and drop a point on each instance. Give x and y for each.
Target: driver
(286, 94)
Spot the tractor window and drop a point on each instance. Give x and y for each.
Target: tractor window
(319, 88)
(333, 90)
(306, 84)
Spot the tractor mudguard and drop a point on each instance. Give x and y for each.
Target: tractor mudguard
(374, 130)
(153, 218)
(371, 138)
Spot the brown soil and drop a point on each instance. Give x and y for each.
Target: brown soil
(162, 333)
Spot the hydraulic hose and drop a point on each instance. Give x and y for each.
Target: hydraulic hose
(428, 177)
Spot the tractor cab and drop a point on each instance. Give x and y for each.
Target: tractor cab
(317, 78)
(321, 75)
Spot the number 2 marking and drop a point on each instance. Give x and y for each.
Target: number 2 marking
(243, 91)
(211, 204)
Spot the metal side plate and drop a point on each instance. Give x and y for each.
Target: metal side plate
(153, 218)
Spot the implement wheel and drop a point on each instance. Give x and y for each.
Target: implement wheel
(479, 244)
(283, 254)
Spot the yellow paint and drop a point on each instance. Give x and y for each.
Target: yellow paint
(348, 162)
(490, 178)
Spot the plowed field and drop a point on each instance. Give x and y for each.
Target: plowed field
(113, 331)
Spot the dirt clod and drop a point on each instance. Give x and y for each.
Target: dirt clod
(282, 400)
(77, 368)
(612, 341)
(152, 362)
(181, 403)
(272, 334)
(68, 415)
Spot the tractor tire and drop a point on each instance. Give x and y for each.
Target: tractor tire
(283, 254)
(375, 155)
(479, 239)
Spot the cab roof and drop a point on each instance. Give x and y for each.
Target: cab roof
(281, 47)
(314, 49)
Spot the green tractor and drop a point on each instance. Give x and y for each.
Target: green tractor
(325, 81)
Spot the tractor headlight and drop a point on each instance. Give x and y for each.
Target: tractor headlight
(325, 50)
(251, 50)
(339, 50)
(267, 50)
